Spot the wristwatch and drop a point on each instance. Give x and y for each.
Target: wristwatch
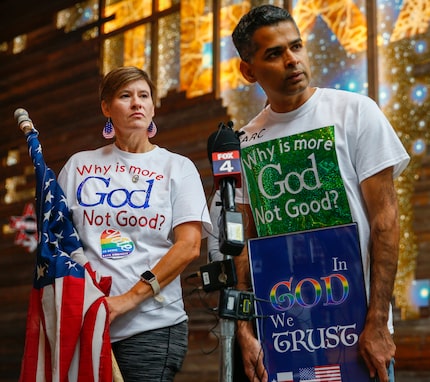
(149, 278)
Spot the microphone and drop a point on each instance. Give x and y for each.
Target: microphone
(224, 155)
(23, 120)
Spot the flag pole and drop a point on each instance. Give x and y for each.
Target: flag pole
(116, 372)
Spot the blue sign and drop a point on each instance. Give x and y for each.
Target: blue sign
(311, 304)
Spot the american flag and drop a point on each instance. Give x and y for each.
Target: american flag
(67, 334)
(327, 373)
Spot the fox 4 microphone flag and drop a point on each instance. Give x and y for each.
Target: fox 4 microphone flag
(67, 332)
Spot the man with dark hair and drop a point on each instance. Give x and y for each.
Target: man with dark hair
(367, 155)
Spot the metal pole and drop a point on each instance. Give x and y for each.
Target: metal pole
(227, 353)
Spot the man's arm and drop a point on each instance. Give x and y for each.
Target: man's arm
(376, 343)
(252, 353)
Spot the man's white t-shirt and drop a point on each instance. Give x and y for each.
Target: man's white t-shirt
(365, 144)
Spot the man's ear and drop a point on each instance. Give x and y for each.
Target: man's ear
(247, 72)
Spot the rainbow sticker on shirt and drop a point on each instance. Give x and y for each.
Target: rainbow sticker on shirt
(113, 244)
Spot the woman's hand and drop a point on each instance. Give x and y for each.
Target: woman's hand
(119, 305)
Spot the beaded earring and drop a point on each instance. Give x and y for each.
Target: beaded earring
(108, 130)
(152, 129)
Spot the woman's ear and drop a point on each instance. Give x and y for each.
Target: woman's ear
(247, 72)
(105, 108)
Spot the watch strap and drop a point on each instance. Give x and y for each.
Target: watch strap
(149, 278)
(155, 286)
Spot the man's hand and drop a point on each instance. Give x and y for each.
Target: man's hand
(252, 353)
(377, 348)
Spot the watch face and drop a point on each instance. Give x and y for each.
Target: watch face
(148, 275)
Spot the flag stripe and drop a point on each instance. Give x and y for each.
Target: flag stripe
(70, 320)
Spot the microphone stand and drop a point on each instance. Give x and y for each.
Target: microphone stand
(227, 352)
(227, 325)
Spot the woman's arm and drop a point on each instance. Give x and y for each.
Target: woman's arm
(185, 249)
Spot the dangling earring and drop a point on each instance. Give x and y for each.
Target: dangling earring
(109, 130)
(152, 130)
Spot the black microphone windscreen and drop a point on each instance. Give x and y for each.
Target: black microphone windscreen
(224, 139)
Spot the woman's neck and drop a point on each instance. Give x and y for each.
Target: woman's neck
(134, 146)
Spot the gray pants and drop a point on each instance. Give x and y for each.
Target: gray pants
(154, 356)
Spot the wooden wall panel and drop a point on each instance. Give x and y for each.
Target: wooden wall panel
(57, 83)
